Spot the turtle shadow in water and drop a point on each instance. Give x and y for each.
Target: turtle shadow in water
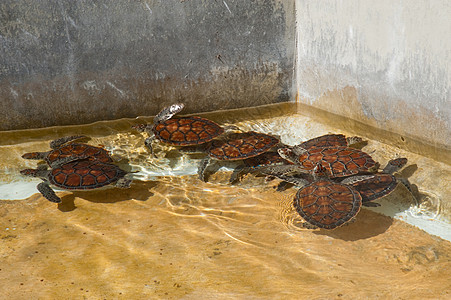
(367, 224)
(138, 191)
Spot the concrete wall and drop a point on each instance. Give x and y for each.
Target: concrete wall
(385, 63)
(71, 62)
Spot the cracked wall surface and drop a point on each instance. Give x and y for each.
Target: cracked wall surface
(74, 62)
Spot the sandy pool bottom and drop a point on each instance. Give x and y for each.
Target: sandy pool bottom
(179, 238)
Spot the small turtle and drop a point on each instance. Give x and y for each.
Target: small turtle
(339, 161)
(261, 162)
(380, 184)
(360, 188)
(181, 131)
(60, 149)
(71, 174)
(325, 203)
(331, 140)
(236, 146)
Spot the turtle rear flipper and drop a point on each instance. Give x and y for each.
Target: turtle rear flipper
(48, 192)
(148, 143)
(55, 144)
(123, 183)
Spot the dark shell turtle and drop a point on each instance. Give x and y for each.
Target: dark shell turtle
(237, 146)
(327, 204)
(331, 140)
(181, 131)
(77, 175)
(380, 184)
(338, 161)
(61, 150)
(270, 159)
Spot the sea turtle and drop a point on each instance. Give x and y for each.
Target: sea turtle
(236, 146)
(325, 203)
(181, 131)
(369, 186)
(61, 148)
(328, 203)
(261, 162)
(379, 184)
(331, 140)
(339, 161)
(72, 174)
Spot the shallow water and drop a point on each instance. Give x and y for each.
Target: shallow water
(172, 236)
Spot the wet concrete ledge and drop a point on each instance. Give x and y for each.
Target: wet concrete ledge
(67, 63)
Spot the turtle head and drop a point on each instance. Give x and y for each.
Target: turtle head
(287, 153)
(320, 172)
(29, 172)
(168, 112)
(140, 127)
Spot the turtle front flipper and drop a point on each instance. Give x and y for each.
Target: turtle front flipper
(48, 193)
(55, 144)
(61, 161)
(394, 165)
(148, 143)
(238, 172)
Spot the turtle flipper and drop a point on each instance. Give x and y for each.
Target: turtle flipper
(284, 185)
(370, 204)
(354, 141)
(48, 193)
(55, 144)
(237, 173)
(357, 178)
(123, 183)
(67, 159)
(394, 165)
(203, 167)
(35, 155)
(148, 143)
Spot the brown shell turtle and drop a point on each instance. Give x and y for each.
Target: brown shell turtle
(319, 196)
(61, 149)
(267, 159)
(325, 203)
(70, 174)
(380, 184)
(237, 146)
(181, 131)
(339, 161)
(331, 140)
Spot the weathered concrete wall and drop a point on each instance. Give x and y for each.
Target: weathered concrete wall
(385, 63)
(71, 62)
